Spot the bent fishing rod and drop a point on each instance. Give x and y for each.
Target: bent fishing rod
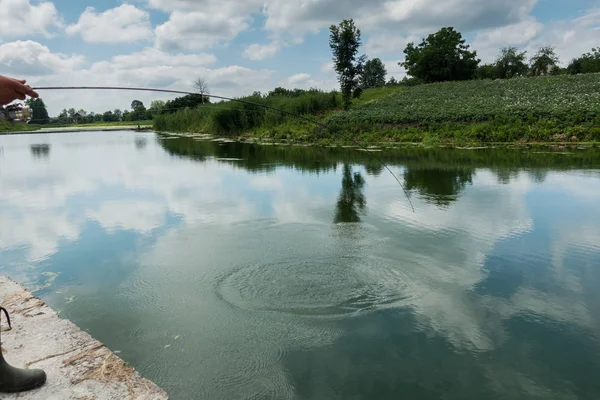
(319, 124)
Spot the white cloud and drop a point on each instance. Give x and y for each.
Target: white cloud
(149, 68)
(298, 79)
(198, 30)
(29, 58)
(19, 16)
(388, 43)
(125, 23)
(258, 51)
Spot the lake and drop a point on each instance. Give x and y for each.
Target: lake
(226, 270)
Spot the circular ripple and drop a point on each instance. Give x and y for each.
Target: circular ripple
(320, 287)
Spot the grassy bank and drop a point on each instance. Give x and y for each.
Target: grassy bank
(545, 109)
(17, 127)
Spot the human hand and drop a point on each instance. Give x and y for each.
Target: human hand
(13, 89)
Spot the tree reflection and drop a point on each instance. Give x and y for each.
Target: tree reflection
(351, 201)
(141, 143)
(40, 151)
(438, 186)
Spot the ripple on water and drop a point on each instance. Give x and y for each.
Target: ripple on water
(321, 287)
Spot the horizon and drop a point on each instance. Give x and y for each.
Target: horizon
(242, 47)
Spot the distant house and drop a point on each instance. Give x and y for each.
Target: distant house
(77, 117)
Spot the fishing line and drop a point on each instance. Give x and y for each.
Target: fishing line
(319, 124)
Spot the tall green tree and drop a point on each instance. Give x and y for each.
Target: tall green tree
(543, 61)
(38, 111)
(345, 40)
(118, 114)
(510, 63)
(588, 63)
(136, 103)
(442, 56)
(373, 74)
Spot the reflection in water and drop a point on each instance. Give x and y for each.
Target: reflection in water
(438, 186)
(351, 201)
(40, 151)
(141, 142)
(222, 276)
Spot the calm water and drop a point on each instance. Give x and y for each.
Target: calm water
(229, 271)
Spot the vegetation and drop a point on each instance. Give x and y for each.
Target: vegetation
(234, 118)
(345, 41)
(38, 110)
(18, 127)
(373, 74)
(442, 56)
(483, 111)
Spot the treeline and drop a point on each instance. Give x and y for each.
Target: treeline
(442, 56)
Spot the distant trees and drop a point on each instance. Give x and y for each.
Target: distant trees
(345, 40)
(38, 110)
(442, 56)
(373, 74)
(136, 103)
(543, 61)
(510, 63)
(588, 63)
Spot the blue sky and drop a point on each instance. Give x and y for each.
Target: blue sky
(242, 46)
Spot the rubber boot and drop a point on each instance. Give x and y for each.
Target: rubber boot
(15, 380)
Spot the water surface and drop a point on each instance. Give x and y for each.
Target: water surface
(236, 271)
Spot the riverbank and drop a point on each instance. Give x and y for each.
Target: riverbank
(552, 109)
(94, 128)
(77, 366)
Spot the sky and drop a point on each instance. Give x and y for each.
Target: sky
(239, 47)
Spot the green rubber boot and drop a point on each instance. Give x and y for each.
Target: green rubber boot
(15, 380)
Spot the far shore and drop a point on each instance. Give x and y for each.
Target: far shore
(82, 129)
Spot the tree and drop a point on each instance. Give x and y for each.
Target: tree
(442, 56)
(136, 103)
(72, 112)
(108, 116)
(38, 111)
(588, 63)
(575, 66)
(392, 82)
(201, 87)
(510, 63)
(373, 74)
(118, 114)
(345, 40)
(543, 61)
(487, 71)
(157, 106)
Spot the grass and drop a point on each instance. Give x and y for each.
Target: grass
(233, 118)
(17, 127)
(545, 109)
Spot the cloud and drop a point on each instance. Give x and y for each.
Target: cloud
(150, 67)
(125, 23)
(29, 58)
(417, 16)
(258, 51)
(388, 43)
(198, 30)
(17, 16)
(298, 78)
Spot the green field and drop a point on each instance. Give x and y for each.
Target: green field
(17, 127)
(545, 109)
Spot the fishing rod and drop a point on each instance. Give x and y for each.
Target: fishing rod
(142, 89)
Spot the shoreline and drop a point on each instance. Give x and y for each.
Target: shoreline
(77, 365)
(107, 128)
(471, 145)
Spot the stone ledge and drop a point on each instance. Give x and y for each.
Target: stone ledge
(78, 366)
